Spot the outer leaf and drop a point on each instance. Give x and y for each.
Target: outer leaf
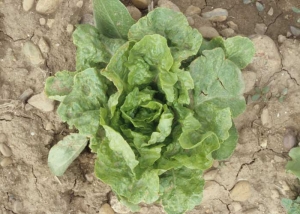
(293, 165)
(65, 152)
(218, 81)
(112, 18)
(291, 206)
(227, 147)
(93, 49)
(60, 85)
(181, 190)
(186, 83)
(182, 39)
(81, 107)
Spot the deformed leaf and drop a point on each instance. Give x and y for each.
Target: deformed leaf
(291, 206)
(293, 165)
(255, 97)
(65, 152)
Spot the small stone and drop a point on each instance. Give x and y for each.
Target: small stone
(281, 38)
(278, 159)
(42, 21)
(265, 118)
(288, 34)
(17, 206)
(274, 194)
(33, 53)
(289, 139)
(26, 94)
(27, 5)
(216, 164)
(134, 12)
(285, 186)
(271, 11)
(190, 20)
(79, 4)
(46, 6)
(228, 32)
(295, 31)
(264, 143)
(249, 78)
(259, 6)
(208, 32)
(89, 177)
(260, 28)
(168, 4)
(232, 25)
(70, 28)
(192, 10)
(5, 150)
(117, 206)
(106, 209)
(216, 15)
(43, 45)
(49, 126)
(247, 1)
(50, 22)
(3, 138)
(141, 4)
(6, 162)
(236, 206)
(210, 175)
(42, 102)
(241, 191)
(87, 19)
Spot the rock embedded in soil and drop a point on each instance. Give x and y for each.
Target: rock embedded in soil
(33, 53)
(26, 94)
(135, 13)
(259, 6)
(117, 206)
(5, 150)
(3, 138)
(295, 31)
(141, 4)
(43, 45)
(50, 22)
(190, 20)
(290, 139)
(6, 162)
(232, 25)
(260, 28)
(249, 78)
(106, 209)
(266, 118)
(168, 4)
(42, 21)
(42, 102)
(208, 32)
(70, 28)
(228, 32)
(79, 4)
(216, 15)
(241, 191)
(192, 10)
(27, 5)
(47, 6)
(281, 38)
(271, 11)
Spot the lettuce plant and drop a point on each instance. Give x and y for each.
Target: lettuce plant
(153, 100)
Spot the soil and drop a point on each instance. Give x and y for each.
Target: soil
(258, 164)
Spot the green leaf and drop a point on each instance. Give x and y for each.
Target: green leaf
(228, 146)
(239, 50)
(181, 190)
(93, 49)
(217, 81)
(81, 107)
(182, 39)
(60, 85)
(265, 89)
(255, 97)
(65, 152)
(217, 42)
(293, 165)
(291, 206)
(186, 83)
(296, 10)
(112, 18)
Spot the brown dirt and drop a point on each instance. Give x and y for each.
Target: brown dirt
(28, 187)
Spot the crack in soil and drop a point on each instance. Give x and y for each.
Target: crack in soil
(17, 40)
(292, 78)
(32, 170)
(242, 166)
(227, 205)
(269, 25)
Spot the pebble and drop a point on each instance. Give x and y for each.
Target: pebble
(271, 11)
(192, 10)
(264, 143)
(281, 38)
(247, 1)
(216, 15)
(41, 102)
(232, 25)
(46, 6)
(87, 19)
(295, 31)
(79, 4)
(288, 34)
(168, 4)
(42, 21)
(208, 32)
(43, 45)
(190, 20)
(17, 206)
(5, 150)
(49, 126)
(6, 162)
(33, 53)
(117, 206)
(50, 22)
(89, 177)
(241, 191)
(106, 209)
(260, 28)
(236, 206)
(259, 6)
(289, 139)
(25, 95)
(228, 32)
(135, 13)
(70, 28)
(141, 4)
(249, 78)
(265, 118)
(27, 5)
(3, 138)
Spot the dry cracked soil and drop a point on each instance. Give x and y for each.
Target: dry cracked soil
(36, 42)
